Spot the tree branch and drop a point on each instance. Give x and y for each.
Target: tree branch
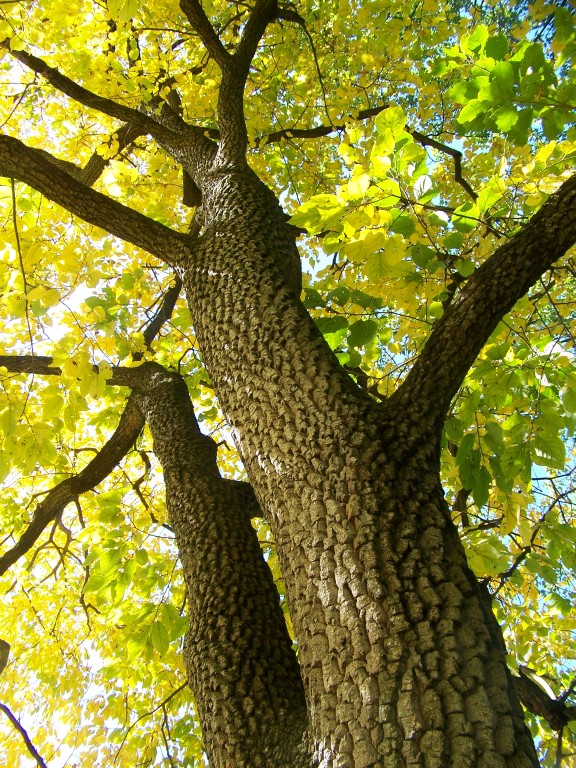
(319, 131)
(33, 167)
(485, 298)
(95, 166)
(108, 457)
(537, 700)
(199, 21)
(262, 14)
(83, 96)
(58, 498)
(29, 746)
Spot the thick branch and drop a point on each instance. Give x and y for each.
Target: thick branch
(485, 298)
(95, 166)
(240, 663)
(262, 14)
(199, 21)
(536, 700)
(163, 314)
(31, 166)
(83, 96)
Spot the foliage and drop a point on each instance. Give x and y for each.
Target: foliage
(472, 128)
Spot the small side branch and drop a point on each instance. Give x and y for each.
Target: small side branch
(320, 131)
(95, 166)
(108, 457)
(455, 154)
(537, 699)
(58, 498)
(29, 746)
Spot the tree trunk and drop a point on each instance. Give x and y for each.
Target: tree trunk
(402, 661)
(238, 654)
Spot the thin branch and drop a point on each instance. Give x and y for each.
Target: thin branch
(31, 166)
(29, 746)
(319, 131)
(288, 14)
(129, 427)
(21, 263)
(150, 712)
(455, 154)
(525, 551)
(194, 12)
(57, 499)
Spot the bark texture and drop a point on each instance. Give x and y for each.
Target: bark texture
(401, 659)
(239, 657)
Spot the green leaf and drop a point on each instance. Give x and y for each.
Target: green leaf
(339, 295)
(331, 324)
(502, 81)
(472, 110)
(159, 637)
(496, 47)
(465, 267)
(403, 225)
(481, 486)
(362, 332)
(318, 213)
(476, 40)
(467, 444)
(506, 118)
(549, 450)
(390, 125)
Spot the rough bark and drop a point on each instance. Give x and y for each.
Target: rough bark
(401, 658)
(238, 654)
(402, 661)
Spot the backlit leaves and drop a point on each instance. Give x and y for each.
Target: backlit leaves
(394, 233)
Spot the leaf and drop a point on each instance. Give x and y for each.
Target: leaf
(496, 47)
(358, 185)
(476, 40)
(362, 332)
(472, 110)
(506, 118)
(502, 81)
(390, 125)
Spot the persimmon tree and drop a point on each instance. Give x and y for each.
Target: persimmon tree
(287, 371)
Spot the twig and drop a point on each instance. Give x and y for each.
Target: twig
(21, 262)
(31, 748)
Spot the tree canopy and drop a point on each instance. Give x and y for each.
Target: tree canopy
(408, 142)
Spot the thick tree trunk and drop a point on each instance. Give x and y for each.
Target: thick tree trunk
(241, 666)
(402, 660)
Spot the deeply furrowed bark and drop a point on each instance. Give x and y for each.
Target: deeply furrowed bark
(402, 661)
(240, 662)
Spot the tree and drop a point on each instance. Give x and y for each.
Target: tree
(434, 348)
